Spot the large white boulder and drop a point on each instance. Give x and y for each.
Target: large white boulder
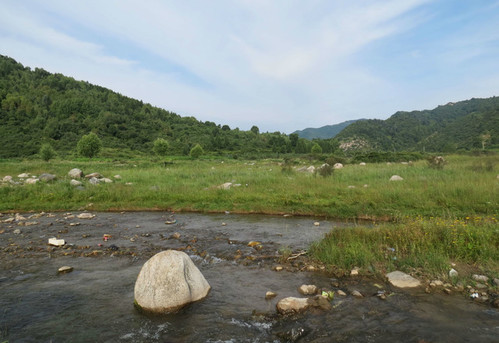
(75, 173)
(402, 280)
(396, 178)
(168, 281)
(338, 166)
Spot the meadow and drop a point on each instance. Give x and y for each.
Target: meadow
(429, 218)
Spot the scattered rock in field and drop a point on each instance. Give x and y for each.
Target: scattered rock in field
(357, 294)
(270, 295)
(311, 169)
(169, 281)
(75, 173)
(23, 175)
(117, 177)
(56, 242)
(338, 166)
(17, 231)
(106, 180)
(45, 177)
(362, 163)
(308, 289)
(85, 215)
(7, 178)
(351, 187)
(341, 293)
(453, 273)
(480, 278)
(75, 183)
(402, 280)
(225, 186)
(396, 178)
(354, 271)
(94, 181)
(65, 269)
(31, 181)
(92, 175)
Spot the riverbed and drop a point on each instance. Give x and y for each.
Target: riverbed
(94, 302)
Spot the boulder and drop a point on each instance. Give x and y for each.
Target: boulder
(311, 169)
(292, 305)
(7, 178)
(94, 181)
(75, 173)
(91, 175)
(106, 180)
(308, 289)
(453, 273)
(168, 281)
(65, 269)
(225, 186)
(362, 163)
(85, 215)
(396, 178)
(23, 175)
(338, 166)
(45, 177)
(402, 280)
(31, 181)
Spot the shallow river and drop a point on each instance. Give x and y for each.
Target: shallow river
(94, 303)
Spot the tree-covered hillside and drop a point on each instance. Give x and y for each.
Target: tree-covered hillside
(40, 107)
(324, 132)
(465, 125)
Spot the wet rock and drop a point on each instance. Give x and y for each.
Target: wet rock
(9, 220)
(176, 235)
(56, 242)
(495, 303)
(447, 290)
(396, 178)
(341, 293)
(85, 215)
(17, 231)
(45, 177)
(75, 173)
(278, 268)
(75, 183)
(480, 278)
(453, 273)
(253, 243)
(65, 269)
(292, 305)
(357, 294)
(19, 217)
(292, 335)
(308, 289)
(169, 281)
(402, 280)
(270, 295)
(31, 223)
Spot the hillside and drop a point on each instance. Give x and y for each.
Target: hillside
(464, 125)
(324, 132)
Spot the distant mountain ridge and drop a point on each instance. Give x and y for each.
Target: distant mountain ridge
(324, 132)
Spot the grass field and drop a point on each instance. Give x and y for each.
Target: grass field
(435, 215)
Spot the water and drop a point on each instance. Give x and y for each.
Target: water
(94, 303)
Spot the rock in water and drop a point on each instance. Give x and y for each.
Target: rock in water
(168, 281)
(402, 280)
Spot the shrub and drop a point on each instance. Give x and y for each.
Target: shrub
(161, 146)
(436, 162)
(89, 145)
(47, 152)
(196, 151)
(325, 170)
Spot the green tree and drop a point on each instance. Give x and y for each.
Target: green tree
(89, 145)
(196, 151)
(255, 129)
(47, 152)
(161, 146)
(316, 149)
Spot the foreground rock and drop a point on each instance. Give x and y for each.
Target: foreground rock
(396, 178)
(169, 281)
(45, 177)
(292, 305)
(75, 173)
(402, 280)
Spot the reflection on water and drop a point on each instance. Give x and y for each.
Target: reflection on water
(94, 303)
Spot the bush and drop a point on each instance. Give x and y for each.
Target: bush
(161, 146)
(325, 170)
(89, 145)
(196, 151)
(47, 152)
(436, 162)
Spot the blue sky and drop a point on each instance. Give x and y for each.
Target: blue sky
(282, 65)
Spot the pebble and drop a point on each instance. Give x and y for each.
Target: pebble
(341, 293)
(270, 295)
(481, 278)
(65, 269)
(278, 268)
(17, 232)
(354, 271)
(317, 224)
(357, 294)
(453, 273)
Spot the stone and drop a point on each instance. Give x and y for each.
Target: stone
(362, 163)
(45, 177)
(75, 173)
(453, 273)
(337, 166)
(436, 283)
(75, 183)
(56, 242)
(311, 169)
(357, 294)
(106, 180)
(92, 175)
(278, 268)
(396, 178)
(31, 181)
(292, 305)
(402, 280)
(17, 231)
(495, 303)
(19, 218)
(65, 269)
(85, 215)
(480, 278)
(23, 175)
(168, 281)
(308, 289)
(270, 295)
(225, 186)
(496, 282)
(7, 178)
(354, 271)
(317, 224)
(117, 177)
(341, 293)
(94, 181)
(253, 243)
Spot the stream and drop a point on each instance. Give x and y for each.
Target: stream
(94, 302)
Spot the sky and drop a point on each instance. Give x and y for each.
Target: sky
(282, 65)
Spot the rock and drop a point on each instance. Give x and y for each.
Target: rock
(337, 166)
(45, 177)
(31, 223)
(270, 295)
(75, 173)
(168, 281)
(292, 305)
(320, 301)
(311, 169)
(85, 215)
(94, 181)
(23, 175)
(453, 273)
(278, 268)
(7, 178)
(480, 286)
(480, 278)
(75, 183)
(56, 242)
(175, 235)
(253, 243)
(362, 163)
(351, 187)
(106, 180)
(9, 220)
(292, 335)
(317, 224)
(31, 181)
(495, 303)
(17, 231)
(447, 290)
(341, 293)
(436, 283)
(308, 289)
(357, 294)
(354, 271)
(496, 282)
(65, 269)
(225, 186)
(19, 218)
(117, 177)
(396, 178)
(92, 175)
(402, 280)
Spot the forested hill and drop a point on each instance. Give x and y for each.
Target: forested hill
(470, 124)
(40, 107)
(324, 132)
